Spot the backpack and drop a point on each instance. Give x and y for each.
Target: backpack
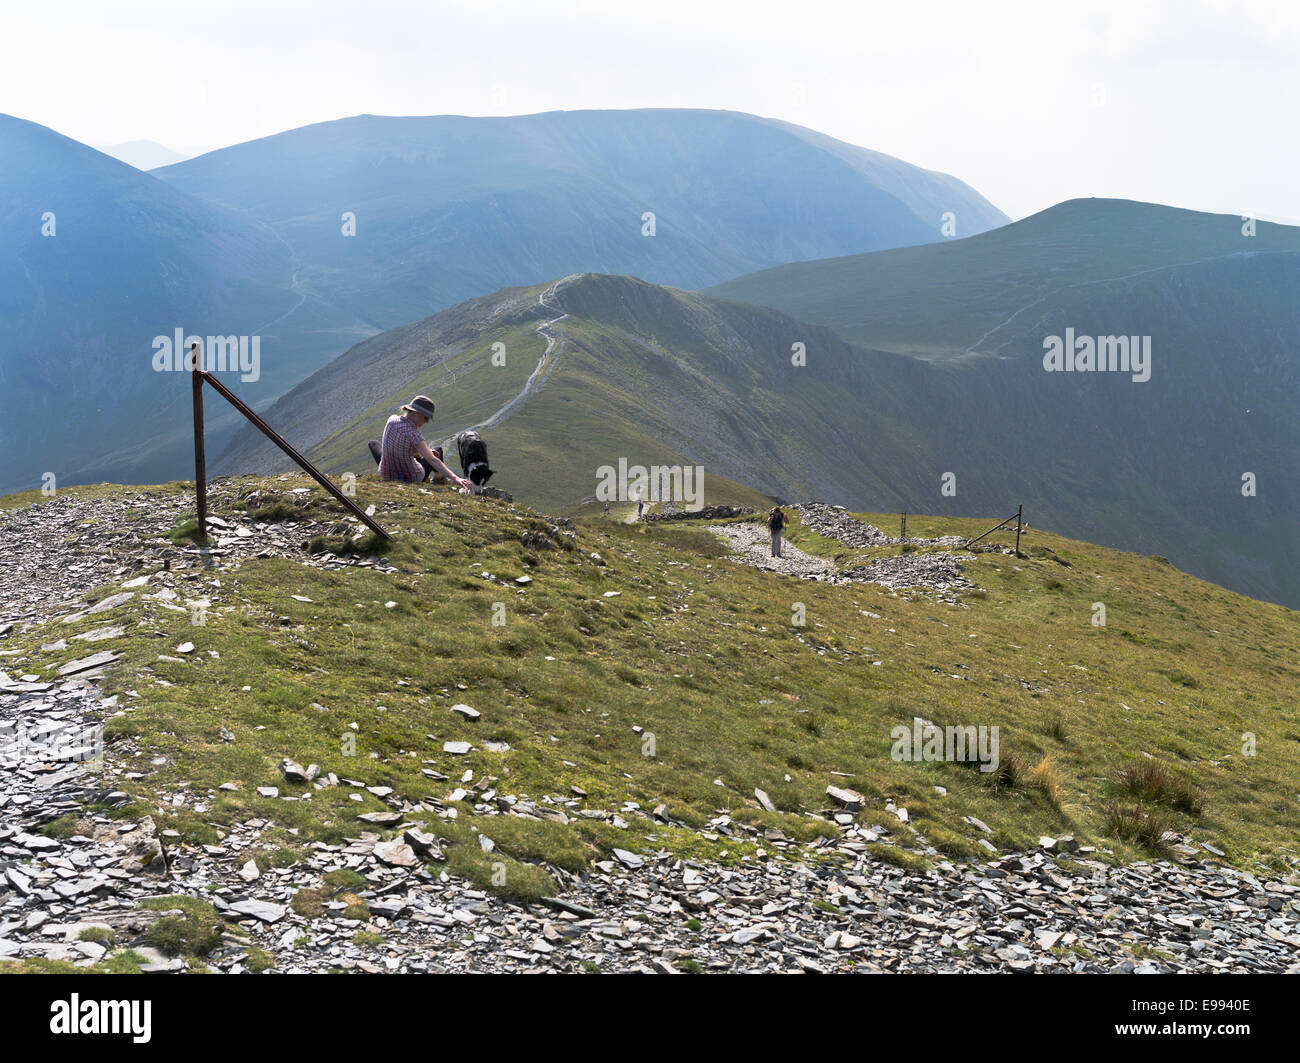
(775, 520)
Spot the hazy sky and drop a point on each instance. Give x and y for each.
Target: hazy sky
(1189, 102)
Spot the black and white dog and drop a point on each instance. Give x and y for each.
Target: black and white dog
(473, 458)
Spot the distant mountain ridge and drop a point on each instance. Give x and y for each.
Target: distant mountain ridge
(449, 207)
(98, 259)
(993, 287)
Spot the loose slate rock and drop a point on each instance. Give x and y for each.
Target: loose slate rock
(396, 854)
(262, 910)
(85, 664)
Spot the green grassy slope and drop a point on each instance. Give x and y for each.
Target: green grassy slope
(982, 293)
(670, 638)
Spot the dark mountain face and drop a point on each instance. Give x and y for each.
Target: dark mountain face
(98, 260)
(447, 208)
(1157, 466)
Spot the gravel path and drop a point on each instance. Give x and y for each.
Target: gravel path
(753, 545)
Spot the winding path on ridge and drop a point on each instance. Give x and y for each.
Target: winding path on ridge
(545, 364)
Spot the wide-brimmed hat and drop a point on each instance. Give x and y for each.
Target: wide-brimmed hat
(421, 404)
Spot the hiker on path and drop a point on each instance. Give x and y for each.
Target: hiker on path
(776, 522)
(404, 455)
(607, 509)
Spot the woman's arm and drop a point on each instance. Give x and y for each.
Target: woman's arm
(433, 459)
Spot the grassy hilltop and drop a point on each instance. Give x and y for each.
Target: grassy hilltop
(1111, 733)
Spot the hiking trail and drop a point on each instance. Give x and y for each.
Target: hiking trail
(546, 364)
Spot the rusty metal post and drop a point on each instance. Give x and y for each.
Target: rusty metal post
(283, 444)
(1019, 512)
(200, 464)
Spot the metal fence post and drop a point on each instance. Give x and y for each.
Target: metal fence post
(200, 464)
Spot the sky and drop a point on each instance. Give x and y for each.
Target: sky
(1189, 102)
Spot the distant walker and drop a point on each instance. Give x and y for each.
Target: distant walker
(776, 522)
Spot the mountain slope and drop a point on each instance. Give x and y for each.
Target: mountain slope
(662, 636)
(449, 207)
(246, 241)
(125, 259)
(1222, 311)
(987, 294)
(662, 376)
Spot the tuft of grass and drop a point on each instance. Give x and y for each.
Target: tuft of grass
(344, 878)
(891, 854)
(187, 534)
(356, 907)
(369, 545)
(1150, 781)
(259, 960)
(1045, 778)
(1011, 772)
(1132, 823)
(193, 932)
(63, 827)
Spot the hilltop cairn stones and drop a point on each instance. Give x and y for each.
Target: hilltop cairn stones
(834, 522)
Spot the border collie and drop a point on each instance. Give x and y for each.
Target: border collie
(473, 458)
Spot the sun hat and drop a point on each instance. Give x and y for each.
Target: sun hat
(421, 404)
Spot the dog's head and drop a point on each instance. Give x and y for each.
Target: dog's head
(479, 475)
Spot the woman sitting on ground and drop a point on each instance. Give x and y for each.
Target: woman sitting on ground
(404, 455)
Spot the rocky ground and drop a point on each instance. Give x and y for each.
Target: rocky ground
(839, 905)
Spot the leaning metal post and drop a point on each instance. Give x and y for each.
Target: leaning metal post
(283, 444)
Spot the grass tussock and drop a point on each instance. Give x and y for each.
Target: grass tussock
(191, 928)
(1141, 826)
(1150, 781)
(1046, 778)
